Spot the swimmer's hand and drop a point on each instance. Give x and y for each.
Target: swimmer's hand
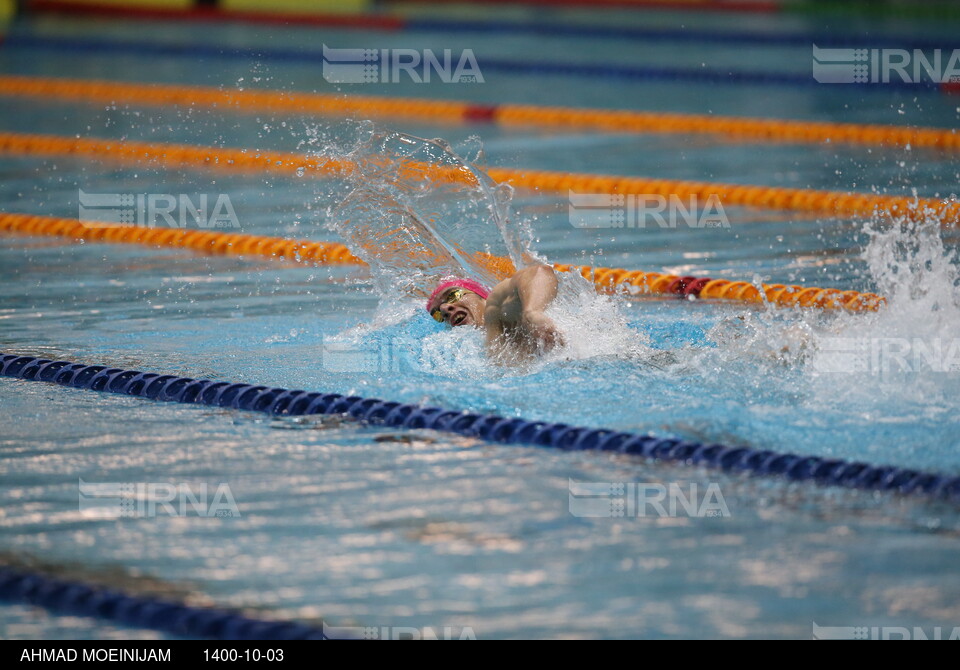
(541, 329)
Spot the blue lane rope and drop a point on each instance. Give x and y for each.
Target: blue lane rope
(642, 34)
(492, 428)
(78, 599)
(486, 65)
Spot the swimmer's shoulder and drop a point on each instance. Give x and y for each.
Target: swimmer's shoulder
(508, 289)
(501, 291)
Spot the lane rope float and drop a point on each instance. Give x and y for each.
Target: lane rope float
(79, 599)
(609, 280)
(837, 203)
(517, 67)
(253, 100)
(487, 427)
(414, 23)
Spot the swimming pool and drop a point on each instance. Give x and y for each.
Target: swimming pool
(365, 526)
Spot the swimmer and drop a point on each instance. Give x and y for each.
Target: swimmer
(512, 314)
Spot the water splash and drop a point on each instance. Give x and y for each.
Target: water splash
(912, 267)
(909, 352)
(417, 211)
(594, 325)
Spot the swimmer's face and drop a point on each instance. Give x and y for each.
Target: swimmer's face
(459, 307)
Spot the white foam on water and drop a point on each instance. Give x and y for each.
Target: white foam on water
(593, 324)
(412, 229)
(905, 357)
(416, 211)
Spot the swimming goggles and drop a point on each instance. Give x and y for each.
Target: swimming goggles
(451, 297)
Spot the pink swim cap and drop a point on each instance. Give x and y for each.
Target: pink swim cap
(456, 282)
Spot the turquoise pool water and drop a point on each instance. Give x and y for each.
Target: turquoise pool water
(363, 526)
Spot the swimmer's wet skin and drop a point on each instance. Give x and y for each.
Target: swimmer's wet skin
(512, 314)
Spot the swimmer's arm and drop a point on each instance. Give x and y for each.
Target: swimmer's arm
(493, 324)
(537, 287)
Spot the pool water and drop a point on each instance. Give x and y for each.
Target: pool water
(366, 526)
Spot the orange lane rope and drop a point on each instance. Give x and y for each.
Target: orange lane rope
(783, 295)
(168, 155)
(327, 253)
(214, 242)
(767, 197)
(837, 203)
(763, 130)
